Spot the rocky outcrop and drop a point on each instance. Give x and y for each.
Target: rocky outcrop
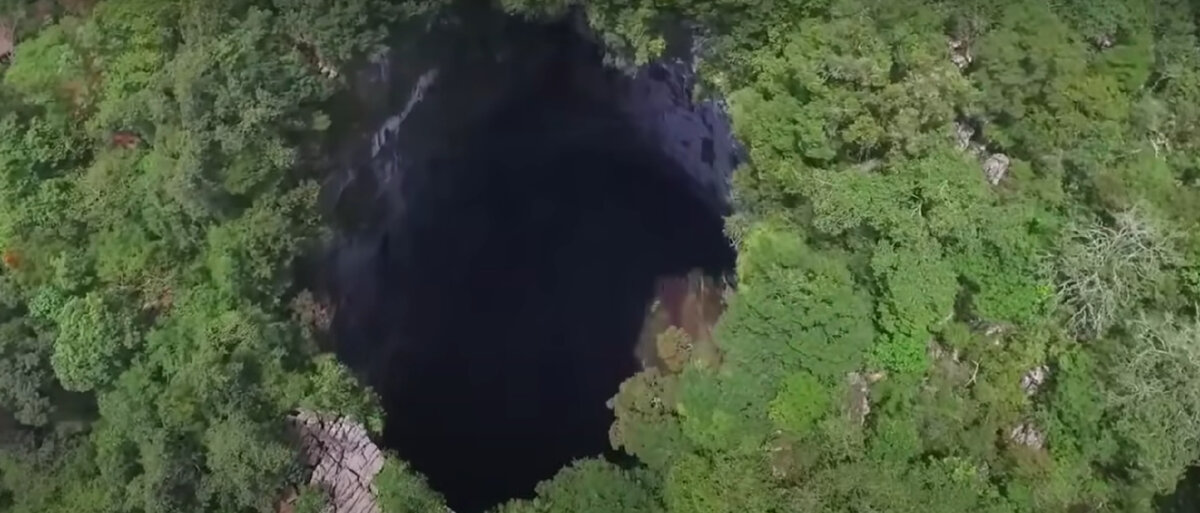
(342, 458)
(968, 132)
(858, 395)
(1028, 435)
(968, 138)
(995, 168)
(960, 53)
(963, 134)
(1033, 380)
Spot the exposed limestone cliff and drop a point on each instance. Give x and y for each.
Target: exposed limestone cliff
(342, 458)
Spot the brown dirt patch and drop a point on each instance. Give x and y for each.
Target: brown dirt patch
(691, 304)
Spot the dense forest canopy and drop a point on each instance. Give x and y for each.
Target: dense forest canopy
(968, 275)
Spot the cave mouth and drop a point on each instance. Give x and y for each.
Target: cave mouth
(501, 310)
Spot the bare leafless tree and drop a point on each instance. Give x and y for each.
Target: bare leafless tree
(1104, 268)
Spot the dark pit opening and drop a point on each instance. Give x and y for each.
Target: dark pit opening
(500, 312)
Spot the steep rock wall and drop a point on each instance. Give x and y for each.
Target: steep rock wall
(501, 218)
(426, 100)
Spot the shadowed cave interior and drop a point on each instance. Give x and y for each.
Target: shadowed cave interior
(502, 308)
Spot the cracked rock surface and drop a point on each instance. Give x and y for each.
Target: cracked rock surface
(342, 458)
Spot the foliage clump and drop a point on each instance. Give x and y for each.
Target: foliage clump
(153, 204)
(908, 334)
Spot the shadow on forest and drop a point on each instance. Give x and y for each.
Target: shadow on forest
(501, 311)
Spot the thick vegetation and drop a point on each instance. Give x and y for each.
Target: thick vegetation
(917, 328)
(968, 277)
(154, 197)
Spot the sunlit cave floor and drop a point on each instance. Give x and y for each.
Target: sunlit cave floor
(505, 304)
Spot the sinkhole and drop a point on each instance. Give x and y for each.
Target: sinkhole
(520, 224)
